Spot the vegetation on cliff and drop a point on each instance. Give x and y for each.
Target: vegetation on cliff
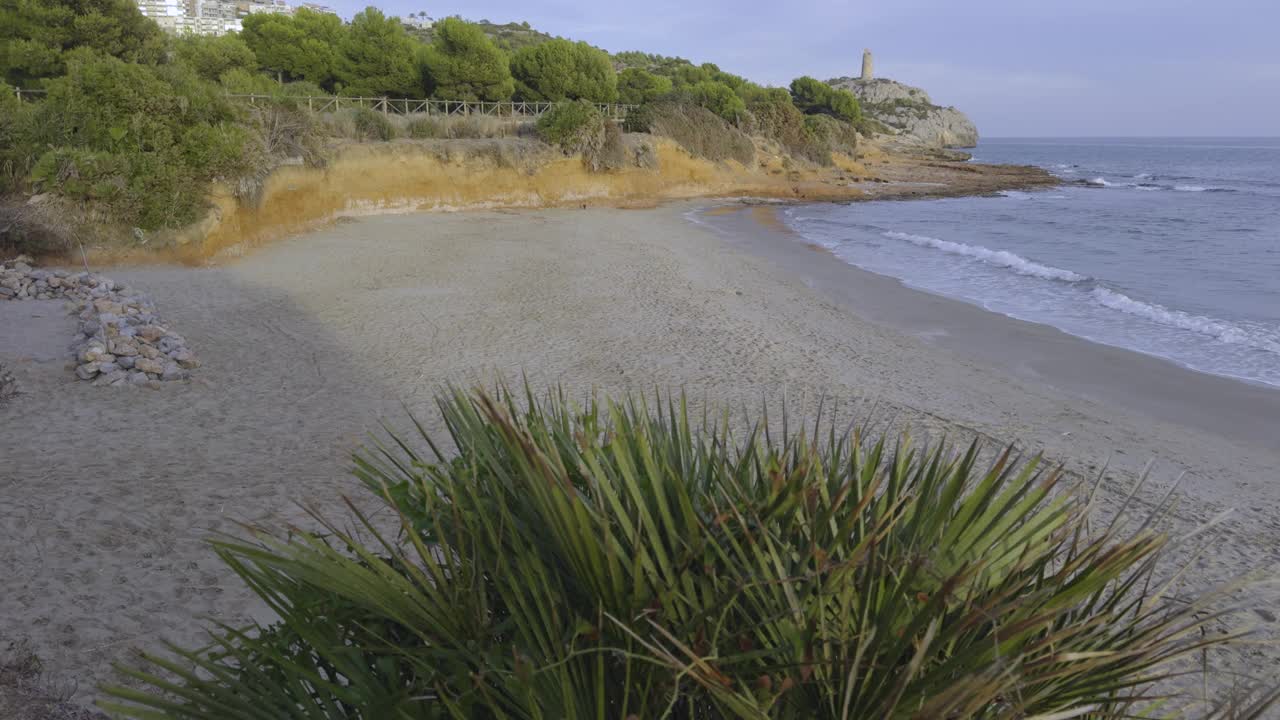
(129, 126)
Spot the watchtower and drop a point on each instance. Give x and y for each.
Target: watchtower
(867, 69)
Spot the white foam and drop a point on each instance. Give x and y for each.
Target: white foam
(1190, 188)
(1098, 182)
(999, 258)
(1221, 330)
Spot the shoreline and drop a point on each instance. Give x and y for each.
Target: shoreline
(403, 176)
(1162, 388)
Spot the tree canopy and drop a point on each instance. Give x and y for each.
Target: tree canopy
(35, 35)
(562, 70)
(816, 97)
(302, 47)
(212, 57)
(637, 86)
(462, 63)
(377, 57)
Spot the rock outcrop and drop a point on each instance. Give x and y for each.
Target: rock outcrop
(909, 113)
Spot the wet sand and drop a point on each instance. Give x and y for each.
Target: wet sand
(108, 496)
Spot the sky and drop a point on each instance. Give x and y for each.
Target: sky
(1017, 67)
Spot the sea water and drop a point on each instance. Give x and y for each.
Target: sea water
(1169, 247)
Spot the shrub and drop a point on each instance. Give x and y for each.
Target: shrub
(81, 174)
(424, 128)
(621, 561)
(835, 134)
(701, 132)
(372, 125)
(562, 70)
(18, 139)
(575, 127)
(639, 119)
(814, 96)
(36, 36)
(211, 56)
(719, 98)
(165, 132)
(636, 86)
(462, 63)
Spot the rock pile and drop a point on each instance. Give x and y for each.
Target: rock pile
(121, 340)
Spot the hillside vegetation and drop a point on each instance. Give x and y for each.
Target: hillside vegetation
(132, 126)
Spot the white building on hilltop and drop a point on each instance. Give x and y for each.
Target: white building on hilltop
(214, 17)
(419, 20)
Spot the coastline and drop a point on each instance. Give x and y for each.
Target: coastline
(1154, 386)
(308, 342)
(406, 176)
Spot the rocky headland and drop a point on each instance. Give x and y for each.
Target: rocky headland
(909, 113)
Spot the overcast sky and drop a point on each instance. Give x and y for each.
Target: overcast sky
(1018, 67)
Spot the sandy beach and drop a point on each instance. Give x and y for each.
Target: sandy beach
(108, 496)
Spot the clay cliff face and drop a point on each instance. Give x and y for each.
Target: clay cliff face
(910, 113)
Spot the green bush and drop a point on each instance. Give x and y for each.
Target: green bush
(81, 174)
(372, 125)
(18, 139)
(162, 132)
(636, 86)
(211, 56)
(462, 63)
(701, 132)
(836, 134)
(814, 96)
(37, 35)
(719, 98)
(575, 127)
(778, 119)
(618, 560)
(562, 70)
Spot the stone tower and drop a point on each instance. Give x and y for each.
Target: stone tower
(867, 70)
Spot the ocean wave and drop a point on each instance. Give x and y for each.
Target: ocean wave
(1221, 330)
(1098, 182)
(1200, 188)
(1015, 194)
(999, 258)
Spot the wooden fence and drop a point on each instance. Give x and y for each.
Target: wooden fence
(407, 106)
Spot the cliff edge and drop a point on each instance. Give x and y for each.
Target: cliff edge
(909, 112)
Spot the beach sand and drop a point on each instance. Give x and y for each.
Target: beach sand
(108, 496)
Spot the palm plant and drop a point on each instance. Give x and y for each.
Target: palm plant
(619, 560)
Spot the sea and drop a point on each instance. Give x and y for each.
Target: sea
(1169, 247)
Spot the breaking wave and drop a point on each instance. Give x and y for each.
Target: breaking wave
(998, 258)
(1221, 330)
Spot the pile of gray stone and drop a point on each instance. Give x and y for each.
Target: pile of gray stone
(121, 339)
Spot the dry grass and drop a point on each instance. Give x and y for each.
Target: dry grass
(702, 133)
(26, 694)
